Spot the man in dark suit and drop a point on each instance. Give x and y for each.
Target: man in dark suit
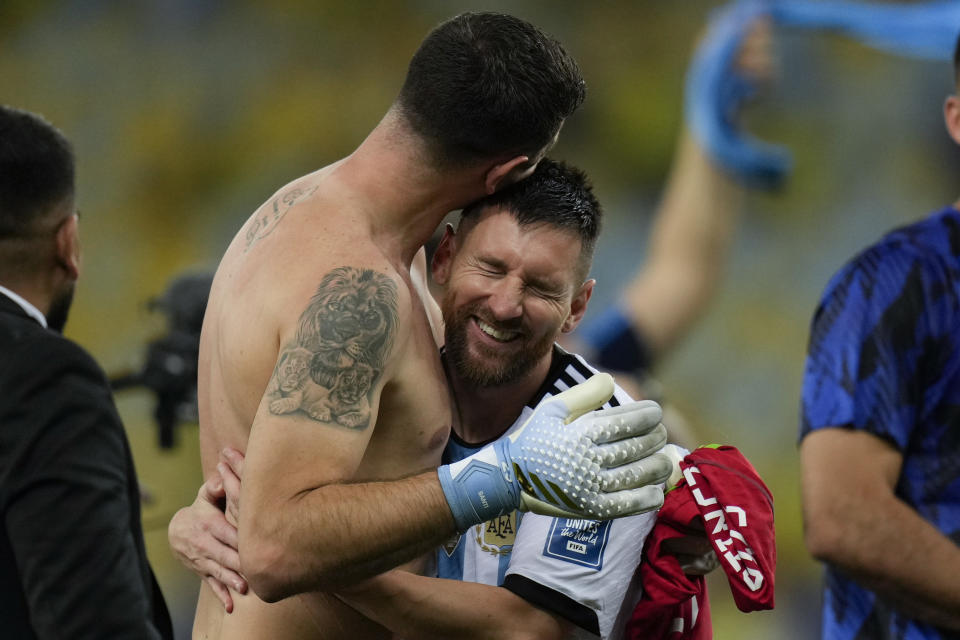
(72, 557)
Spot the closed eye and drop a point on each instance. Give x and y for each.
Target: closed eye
(545, 293)
(490, 266)
(545, 289)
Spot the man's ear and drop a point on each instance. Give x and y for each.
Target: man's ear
(68, 247)
(951, 116)
(578, 306)
(513, 170)
(443, 256)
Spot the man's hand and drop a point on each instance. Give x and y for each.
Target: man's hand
(565, 461)
(726, 69)
(230, 468)
(204, 541)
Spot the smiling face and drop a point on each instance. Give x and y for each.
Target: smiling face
(509, 291)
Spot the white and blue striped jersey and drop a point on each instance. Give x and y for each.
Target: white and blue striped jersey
(581, 570)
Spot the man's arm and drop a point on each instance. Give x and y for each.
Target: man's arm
(69, 518)
(304, 526)
(854, 521)
(689, 244)
(421, 608)
(409, 605)
(692, 232)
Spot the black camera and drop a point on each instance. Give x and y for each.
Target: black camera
(170, 367)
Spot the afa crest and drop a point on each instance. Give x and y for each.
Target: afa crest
(497, 536)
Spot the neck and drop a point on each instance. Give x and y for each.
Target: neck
(39, 296)
(403, 196)
(487, 412)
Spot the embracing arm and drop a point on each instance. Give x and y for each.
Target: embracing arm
(411, 606)
(854, 521)
(304, 526)
(421, 608)
(332, 535)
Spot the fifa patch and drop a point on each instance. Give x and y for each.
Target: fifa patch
(578, 541)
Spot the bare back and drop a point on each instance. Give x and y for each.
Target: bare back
(291, 333)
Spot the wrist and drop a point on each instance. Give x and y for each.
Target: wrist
(479, 487)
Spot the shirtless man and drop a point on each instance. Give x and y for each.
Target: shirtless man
(327, 376)
(518, 260)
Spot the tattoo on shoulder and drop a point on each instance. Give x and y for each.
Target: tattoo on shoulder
(329, 370)
(267, 219)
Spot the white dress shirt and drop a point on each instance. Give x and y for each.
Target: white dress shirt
(30, 310)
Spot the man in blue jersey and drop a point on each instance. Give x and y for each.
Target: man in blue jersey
(880, 433)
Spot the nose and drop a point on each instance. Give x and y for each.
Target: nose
(506, 299)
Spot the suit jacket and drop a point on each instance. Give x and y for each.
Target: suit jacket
(72, 557)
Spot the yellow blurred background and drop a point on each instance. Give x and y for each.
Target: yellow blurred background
(187, 114)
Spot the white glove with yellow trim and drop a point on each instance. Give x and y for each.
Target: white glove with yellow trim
(566, 460)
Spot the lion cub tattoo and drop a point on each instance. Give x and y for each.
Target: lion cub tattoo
(344, 336)
(291, 388)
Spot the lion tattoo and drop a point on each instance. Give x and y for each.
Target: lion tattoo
(348, 398)
(341, 346)
(291, 388)
(350, 320)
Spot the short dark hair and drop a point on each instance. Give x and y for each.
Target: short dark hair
(485, 84)
(556, 194)
(36, 171)
(36, 175)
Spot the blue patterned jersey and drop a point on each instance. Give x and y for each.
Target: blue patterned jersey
(884, 357)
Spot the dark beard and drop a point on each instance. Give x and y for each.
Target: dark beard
(60, 309)
(494, 371)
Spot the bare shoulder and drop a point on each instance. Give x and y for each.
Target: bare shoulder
(355, 310)
(312, 311)
(340, 349)
(273, 213)
(305, 251)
